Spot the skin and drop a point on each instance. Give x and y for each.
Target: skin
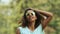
(48, 18)
(32, 19)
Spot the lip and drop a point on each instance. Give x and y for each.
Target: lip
(30, 18)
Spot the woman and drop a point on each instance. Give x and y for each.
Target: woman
(34, 22)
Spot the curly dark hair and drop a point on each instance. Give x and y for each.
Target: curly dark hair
(37, 22)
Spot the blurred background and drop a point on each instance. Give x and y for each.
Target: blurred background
(11, 11)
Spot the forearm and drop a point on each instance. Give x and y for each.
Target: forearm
(47, 14)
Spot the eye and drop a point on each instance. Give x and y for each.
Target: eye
(32, 14)
(27, 14)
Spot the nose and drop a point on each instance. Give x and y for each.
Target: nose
(30, 15)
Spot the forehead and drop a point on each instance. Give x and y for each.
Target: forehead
(30, 11)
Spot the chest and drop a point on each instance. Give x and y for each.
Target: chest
(25, 30)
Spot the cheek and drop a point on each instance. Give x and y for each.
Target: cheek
(27, 17)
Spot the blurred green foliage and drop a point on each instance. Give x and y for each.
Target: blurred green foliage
(11, 14)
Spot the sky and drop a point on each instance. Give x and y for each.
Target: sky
(5, 2)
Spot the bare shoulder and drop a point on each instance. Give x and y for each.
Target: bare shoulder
(18, 31)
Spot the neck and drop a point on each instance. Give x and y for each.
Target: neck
(31, 26)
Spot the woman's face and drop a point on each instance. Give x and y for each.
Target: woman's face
(30, 15)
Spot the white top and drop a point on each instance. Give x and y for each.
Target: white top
(26, 30)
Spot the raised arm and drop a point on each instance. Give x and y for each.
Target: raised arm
(47, 17)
